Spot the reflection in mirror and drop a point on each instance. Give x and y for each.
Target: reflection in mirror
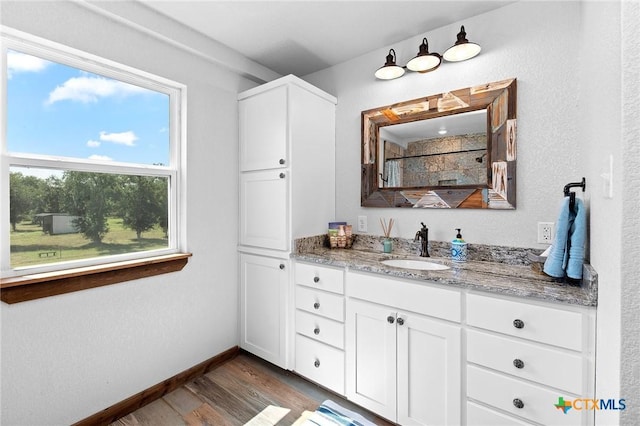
(408, 162)
(444, 151)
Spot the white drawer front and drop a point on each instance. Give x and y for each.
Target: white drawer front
(543, 365)
(321, 363)
(318, 302)
(406, 295)
(478, 415)
(554, 326)
(320, 328)
(500, 391)
(320, 277)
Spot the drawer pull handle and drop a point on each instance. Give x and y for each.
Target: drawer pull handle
(282, 266)
(282, 175)
(518, 363)
(281, 161)
(400, 321)
(316, 363)
(517, 323)
(316, 279)
(518, 403)
(316, 305)
(390, 319)
(316, 331)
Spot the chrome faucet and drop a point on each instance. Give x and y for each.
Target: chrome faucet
(423, 234)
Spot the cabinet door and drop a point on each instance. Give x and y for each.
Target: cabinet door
(263, 130)
(263, 309)
(264, 209)
(371, 357)
(429, 367)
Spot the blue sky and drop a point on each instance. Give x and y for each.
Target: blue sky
(54, 109)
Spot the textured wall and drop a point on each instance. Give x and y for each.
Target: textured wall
(630, 369)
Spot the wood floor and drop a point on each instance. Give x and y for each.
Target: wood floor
(236, 392)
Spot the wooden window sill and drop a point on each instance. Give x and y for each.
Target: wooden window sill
(36, 286)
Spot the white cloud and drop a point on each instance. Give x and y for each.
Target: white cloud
(93, 144)
(20, 62)
(100, 157)
(124, 138)
(88, 89)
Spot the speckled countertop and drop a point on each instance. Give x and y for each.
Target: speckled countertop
(496, 277)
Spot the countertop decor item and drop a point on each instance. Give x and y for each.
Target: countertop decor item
(387, 244)
(341, 236)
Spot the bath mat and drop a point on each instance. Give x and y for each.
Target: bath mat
(331, 414)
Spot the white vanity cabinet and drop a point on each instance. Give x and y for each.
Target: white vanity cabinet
(319, 324)
(263, 116)
(264, 287)
(403, 348)
(264, 212)
(287, 191)
(287, 163)
(522, 356)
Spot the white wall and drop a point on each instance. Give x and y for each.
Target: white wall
(630, 294)
(70, 356)
(601, 135)
(569, 120)
(525, 40)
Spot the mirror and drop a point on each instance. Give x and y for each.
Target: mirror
(409, 161)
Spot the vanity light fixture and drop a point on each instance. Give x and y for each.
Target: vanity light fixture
(424, 61)
(463, 49)
(390, 70)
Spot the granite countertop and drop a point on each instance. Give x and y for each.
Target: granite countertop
(495, 277)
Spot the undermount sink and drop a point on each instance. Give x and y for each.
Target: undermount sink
(414, 264)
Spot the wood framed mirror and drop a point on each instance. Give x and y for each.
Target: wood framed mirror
(409, 161)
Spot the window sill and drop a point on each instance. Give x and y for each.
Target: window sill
(36, 286)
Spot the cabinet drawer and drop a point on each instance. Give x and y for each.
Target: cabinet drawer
(320, 277)
(320, 328)
(478, 415)
(541, 364)
(318, 302)
(500, 391)
(321, 363)
(554, 326)
(406, 295)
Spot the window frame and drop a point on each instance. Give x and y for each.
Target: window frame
(11, 39)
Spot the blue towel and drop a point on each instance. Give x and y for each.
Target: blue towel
(567, 251)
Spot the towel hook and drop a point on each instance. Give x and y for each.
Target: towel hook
(571, 194)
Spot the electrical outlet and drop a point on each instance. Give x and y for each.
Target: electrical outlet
(362, 224)
(545, 232)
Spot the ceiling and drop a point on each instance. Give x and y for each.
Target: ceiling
(301, 37)
(456, 124)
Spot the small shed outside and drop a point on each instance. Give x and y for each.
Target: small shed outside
(57, 223)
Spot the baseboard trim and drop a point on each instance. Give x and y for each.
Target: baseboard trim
(129, 405)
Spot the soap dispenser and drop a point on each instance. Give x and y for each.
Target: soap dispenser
(458, 248)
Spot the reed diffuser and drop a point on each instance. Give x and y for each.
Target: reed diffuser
(386, 229)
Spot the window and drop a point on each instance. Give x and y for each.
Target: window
(92, 160)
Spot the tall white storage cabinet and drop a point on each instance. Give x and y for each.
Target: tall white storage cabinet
(287, 191)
